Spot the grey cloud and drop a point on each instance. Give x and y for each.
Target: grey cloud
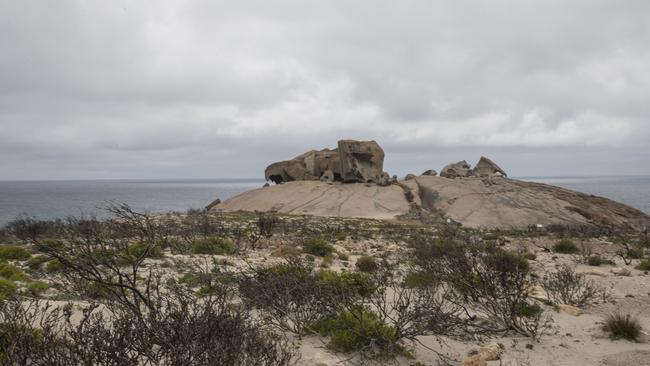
(216, 89)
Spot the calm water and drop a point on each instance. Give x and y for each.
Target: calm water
(59, 199)
(53, 199)
(633, 191)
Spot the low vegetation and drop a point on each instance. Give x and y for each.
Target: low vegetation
(622, 326)
(565, 246)
(566, 286)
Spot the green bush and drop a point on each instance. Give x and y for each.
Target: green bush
(34, 263)
(367, 264)
(318, 247)
(36, 288)
(134, 251)
(355, 329)
(530, 256)
(621, 326)
(507, 262)
(355, 282)
(212, 246)
(53, 266)
(643, 265)
(14, 252)
(420, 280)
(7, 288)
(528, 310)
(12, 272)
(565, 246)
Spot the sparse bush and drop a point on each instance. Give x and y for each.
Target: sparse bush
(367, 264)
(342, 256)
(594, 260)
(36, 262)
(420, 279)
(621, 326)
(267, 224)
(287, 251)
(347, 282)
(486, 278)
(37, 288)
(13, 252)
(530, 256)
(318, 247)
(566, 286)
(643, 265)
(565, 246)
(138, 251)
(212, 246)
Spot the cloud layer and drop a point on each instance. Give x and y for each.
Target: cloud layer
(125, 89)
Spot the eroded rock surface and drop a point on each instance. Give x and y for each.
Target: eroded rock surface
(456, 170)
(486, 167)
(351, 162)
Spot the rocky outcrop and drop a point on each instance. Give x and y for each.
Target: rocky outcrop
(484, 168)
(409, 177)
(456, 170)
(361, 161)
(352, 162)
(430, 172)
(487, 168)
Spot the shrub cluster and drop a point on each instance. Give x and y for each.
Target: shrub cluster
(566, 286)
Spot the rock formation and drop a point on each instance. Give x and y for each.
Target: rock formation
(361, 161)
(486, 168)
(352, 162)
(430, 172)
(456, 170)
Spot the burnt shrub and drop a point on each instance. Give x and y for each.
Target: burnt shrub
(366, 264)
(485, 278)
(566, 286)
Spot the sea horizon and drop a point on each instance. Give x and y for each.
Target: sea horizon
(51, 199)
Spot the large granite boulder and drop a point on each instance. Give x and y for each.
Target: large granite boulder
(352, 161)
(456, 170)
(487, 168)
(361, 161)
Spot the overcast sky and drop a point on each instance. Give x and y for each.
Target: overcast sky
(215, 89)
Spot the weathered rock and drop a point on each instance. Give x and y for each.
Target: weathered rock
(491, 352)
(430, 172)
(328, 176)
(487, 168)
(456, 170)
(212, 204)
(364, 162)
(622, 271)
(409, 177)
(571, 310)
(361, 161)
(385, 179)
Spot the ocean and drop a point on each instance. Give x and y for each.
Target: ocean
(59, 199)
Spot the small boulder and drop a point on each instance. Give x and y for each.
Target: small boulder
(430, 172)
(491, 352)
(456, 170)
(571, 310)
(409, 177)
(622, 271)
